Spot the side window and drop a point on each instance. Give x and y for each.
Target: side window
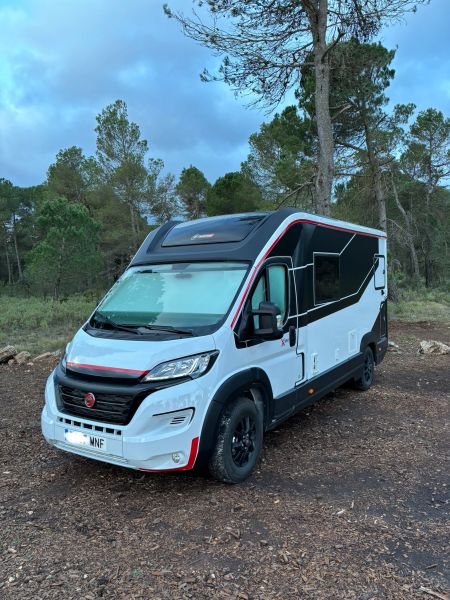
(380, 271)
(326, 278)
(277, 277)
(272, 287)
(260, 293)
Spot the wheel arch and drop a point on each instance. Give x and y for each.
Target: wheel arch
(252, 383)
(370, 340)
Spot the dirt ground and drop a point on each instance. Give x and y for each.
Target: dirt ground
(349, 502)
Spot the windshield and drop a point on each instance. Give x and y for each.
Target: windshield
(187, 295)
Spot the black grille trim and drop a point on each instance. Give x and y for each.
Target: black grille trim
(109, 408)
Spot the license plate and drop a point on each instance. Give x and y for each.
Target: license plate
(78, 438)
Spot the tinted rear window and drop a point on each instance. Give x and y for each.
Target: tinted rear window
(214, 230)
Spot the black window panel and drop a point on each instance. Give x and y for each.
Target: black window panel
(326, 278)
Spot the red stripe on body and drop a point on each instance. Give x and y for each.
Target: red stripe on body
(99, 368)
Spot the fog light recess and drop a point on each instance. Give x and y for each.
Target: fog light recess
(177, 457)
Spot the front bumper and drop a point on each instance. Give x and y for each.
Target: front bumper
(163, 434)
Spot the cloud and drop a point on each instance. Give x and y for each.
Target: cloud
(422, 61)
(62, 62)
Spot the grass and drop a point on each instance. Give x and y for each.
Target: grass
(40, 325)
(421, 305)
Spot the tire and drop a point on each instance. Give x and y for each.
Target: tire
(239, 442)
(364, 382)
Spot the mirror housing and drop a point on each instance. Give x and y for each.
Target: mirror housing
(269, 320)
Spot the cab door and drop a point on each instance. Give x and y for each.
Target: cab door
(278, 358)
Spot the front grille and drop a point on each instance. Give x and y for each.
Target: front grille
(89, 427)
(109, 408)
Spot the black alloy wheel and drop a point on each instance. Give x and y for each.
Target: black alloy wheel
(365, 381)
(238, 443)
(243, 441)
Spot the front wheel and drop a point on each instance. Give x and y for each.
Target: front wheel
(239, 442)
(365, 381)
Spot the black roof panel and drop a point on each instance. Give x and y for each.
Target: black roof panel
(213, 230)
(237, 237)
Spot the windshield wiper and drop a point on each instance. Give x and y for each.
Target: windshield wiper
(134, 327)
(167, 328)
(107, 320)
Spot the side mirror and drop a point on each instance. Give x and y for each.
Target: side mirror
(270, 324)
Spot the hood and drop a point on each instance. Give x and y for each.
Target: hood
(129, 357)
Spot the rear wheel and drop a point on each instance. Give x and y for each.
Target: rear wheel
(366, 379)
(239, 442)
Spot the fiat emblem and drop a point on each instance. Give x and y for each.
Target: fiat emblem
(89, 399)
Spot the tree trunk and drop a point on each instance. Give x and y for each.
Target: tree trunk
(137, 222)
(428, 271)
(57, 287)
(428, 241)
(381, 200)
(133, 227)
(427, 246)
(8, 262)
(19, 266)
(325, 162)
(409, 233)
(375, 171)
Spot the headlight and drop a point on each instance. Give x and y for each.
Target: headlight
(190, 366)
(64, 357)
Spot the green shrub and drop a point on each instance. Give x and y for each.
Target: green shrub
(38, 324)
(422, 304)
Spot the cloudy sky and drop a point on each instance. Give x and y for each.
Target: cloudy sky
(62, 61)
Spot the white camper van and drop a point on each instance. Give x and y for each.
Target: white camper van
(217, 331)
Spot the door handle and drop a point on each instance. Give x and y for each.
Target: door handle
(292, 335)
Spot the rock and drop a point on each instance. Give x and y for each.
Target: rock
(433, 347)
(22, 357)
(45, 355)
(11, 361)
(393, 347)
(42, 356)
(6, 353)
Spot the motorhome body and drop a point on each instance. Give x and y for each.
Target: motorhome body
(218, 330)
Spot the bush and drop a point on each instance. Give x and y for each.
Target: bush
(67, 257)
(39, 325)
(421, 304)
